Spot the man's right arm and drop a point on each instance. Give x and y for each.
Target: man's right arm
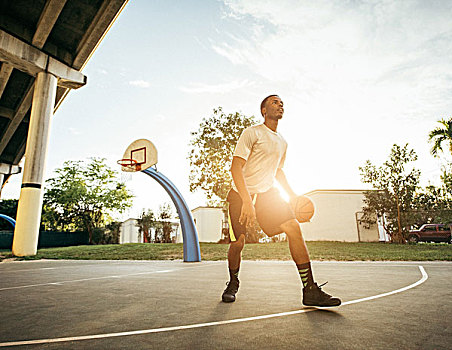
(248, 214)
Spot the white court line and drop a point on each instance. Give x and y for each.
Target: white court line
(207, 324)
(111, 262)
(49, 268)
(59, 283)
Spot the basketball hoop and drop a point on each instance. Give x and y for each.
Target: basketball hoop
(129, 165)
(139, 155)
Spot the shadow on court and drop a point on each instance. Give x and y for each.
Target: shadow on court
(176, 305)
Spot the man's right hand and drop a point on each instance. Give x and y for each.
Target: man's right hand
(248, 214)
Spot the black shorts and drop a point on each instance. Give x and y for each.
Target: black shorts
(271, 212)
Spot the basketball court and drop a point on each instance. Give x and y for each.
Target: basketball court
(176, 305)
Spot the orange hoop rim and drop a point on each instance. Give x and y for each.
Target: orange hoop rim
(129, 163)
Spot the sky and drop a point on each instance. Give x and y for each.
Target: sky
(355, 76)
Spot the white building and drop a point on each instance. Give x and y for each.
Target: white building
(129, 232)
(209, 224)
(337, 217)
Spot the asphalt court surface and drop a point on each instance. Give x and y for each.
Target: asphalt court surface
(176, 305)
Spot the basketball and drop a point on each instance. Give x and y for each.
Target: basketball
(303, 208)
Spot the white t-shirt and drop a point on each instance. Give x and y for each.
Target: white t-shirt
(264, 151)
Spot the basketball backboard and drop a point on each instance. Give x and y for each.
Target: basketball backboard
(140, 155)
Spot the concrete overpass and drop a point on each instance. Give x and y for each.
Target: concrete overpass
(44, 45)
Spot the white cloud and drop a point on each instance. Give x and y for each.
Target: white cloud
(234, 54)
(394, 56)
(355, 76)
(74, 131)
(140, 83)
(199, 88)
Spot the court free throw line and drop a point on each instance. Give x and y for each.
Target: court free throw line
(207, 324)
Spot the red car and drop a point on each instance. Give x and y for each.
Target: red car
(430, 233)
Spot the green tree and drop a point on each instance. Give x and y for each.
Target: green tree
(440, 135)
(395, 186)
(211, 150)
(435, 203)
(432, 205)
(163, 226)
(112, 232)
(145, 223)
(445, 205)
(83, 196)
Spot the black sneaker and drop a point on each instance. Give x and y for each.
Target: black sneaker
(314, 296)
(230, 291)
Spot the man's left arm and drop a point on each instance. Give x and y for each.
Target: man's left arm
(281, 178)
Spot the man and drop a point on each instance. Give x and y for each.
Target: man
(258, 160)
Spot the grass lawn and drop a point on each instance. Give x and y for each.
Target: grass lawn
(268, 251)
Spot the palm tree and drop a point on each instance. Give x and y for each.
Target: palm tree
(439, 135)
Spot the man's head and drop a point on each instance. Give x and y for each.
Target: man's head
(272, 107)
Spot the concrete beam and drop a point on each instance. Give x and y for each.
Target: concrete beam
(5, 73)
(22, 56)
(6, 112)
(17, 119)
(6, 170)
(49, 16)
(67, 77)
(32, 61)
(100, 25)
(20, 153)
(18, 116)
(61, 95)
(9, 169)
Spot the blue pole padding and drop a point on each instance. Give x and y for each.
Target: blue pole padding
(192, 252)
(9, 219)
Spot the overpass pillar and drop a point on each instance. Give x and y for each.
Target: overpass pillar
(28, 217)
